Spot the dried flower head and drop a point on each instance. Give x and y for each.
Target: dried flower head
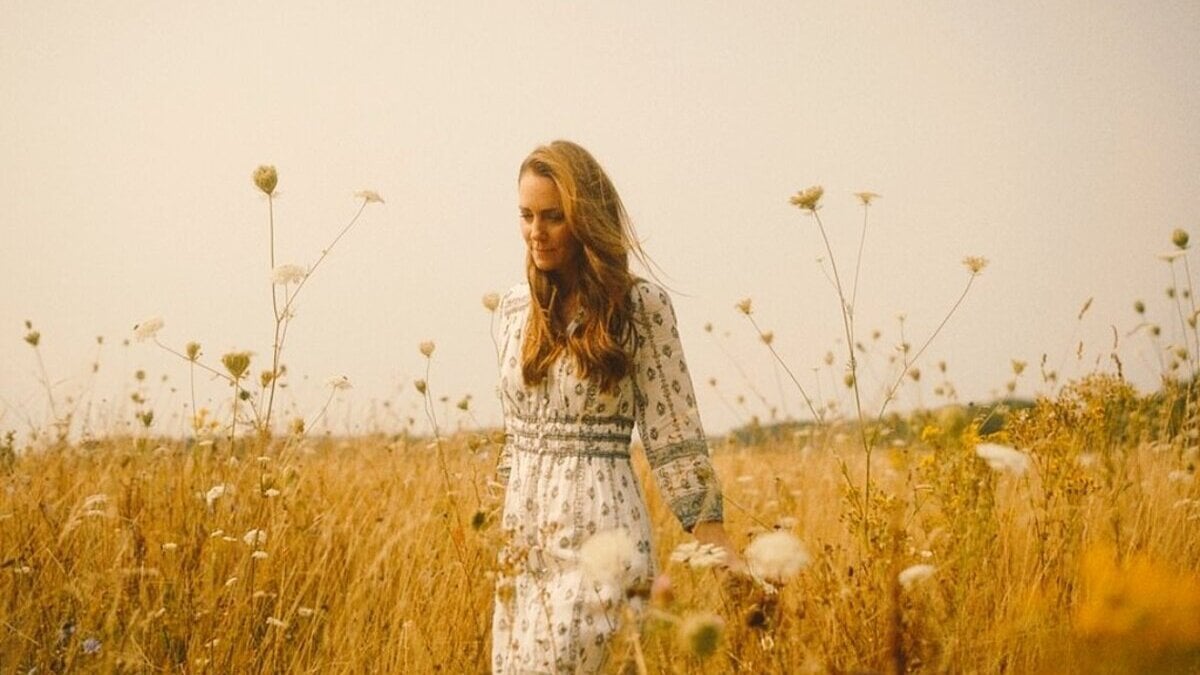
(808, 199)
(767, 337)
(697, 555)
(421, 386)
(975, 263)
(1018, 367)
(283, 275)
(147, 329)
(1180, 238)
(915, 573)
(369, 196)
(339, 382)
(866, 197)
(192, 350)
(237, 363)
(427, 348)
(256, 538)
(608, 556)
(743, 306)
(491, 301)
(33, 338)
(1003, 458)
(777, 556)
(266, 178)
(701, 633)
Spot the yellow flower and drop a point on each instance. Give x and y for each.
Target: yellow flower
(975, 264)
(866, 197)
(266, 178)
(808, 198)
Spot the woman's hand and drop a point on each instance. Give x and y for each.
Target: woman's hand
(713, 532)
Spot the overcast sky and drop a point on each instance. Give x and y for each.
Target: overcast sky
(1059, 140)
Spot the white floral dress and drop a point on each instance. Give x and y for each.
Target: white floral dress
(567, 471)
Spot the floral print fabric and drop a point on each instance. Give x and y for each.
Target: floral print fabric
(567, 474)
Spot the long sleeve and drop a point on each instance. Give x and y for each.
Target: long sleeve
(511, 313)
(668, 420)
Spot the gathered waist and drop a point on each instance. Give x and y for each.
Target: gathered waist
(582, 436)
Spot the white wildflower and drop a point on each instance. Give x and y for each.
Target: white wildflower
(915, 573)
(230, 581)
(697, 555)
(305, 611)
(776, 555)
(95, 501)
(1003, 458)
(286, 274)
(1180, 476)
(216, 492)
(147, 329)
(608, 556)
(259, 555)
(169, 546)
(338, 382)
(270, 493)
(255, 538)
(1087, 459)
(272, 621)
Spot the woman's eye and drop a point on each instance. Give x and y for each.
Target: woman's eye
(527, 217)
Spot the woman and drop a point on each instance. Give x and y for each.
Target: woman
(588, 351)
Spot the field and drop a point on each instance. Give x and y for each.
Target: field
(350, 556)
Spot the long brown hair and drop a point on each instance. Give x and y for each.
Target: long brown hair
(596, 218)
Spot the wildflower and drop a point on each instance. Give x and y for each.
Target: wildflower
(92, 646)
(1139, 307)
(808, 198)
(266, 178)
(607, 556)
(33, 338)
(975, 263)
(743, 306)
(270, 493)
(169, 546)
(1180, 476)
(421, 386)
(1018, 367)
(255, 538)
(1180, 239)
(767, 337)
(701, 633)
(1169, 256)
(369, 196)
(272, 621)
(230, 582)
(464, 403)
(192, 350)
(776, 555)
(305, 611)
(849, 380)
(216, 492)
(237, 363)
(339, 382)
(296, 426)
(1003, 458)
(259, 555)
(787, 522)
(866, 197)
(427, 348)
(491, 301)
(147, 329)
(283, 275)
(698, 555)
(914, 574)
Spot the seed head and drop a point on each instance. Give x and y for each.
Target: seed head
(427, 348)
(147, 329)
(1139, 307)
(266, 178)
(369, 196)
(701, 634)
(808, 199)
(192, 350)
(33, 338)
(866, 197)
(768, 337)
(777, 556)
(914, 574)
(421, 386)
(237, 363)
(283, 275)
(1180, 238)
(743, 306)
(491, 301)
(975, 264)
(1018, 367)
(339, 382)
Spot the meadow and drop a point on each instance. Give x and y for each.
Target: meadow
(1043, 536)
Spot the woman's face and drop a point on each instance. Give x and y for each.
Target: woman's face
(544, 224)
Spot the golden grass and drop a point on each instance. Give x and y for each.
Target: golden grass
(371, 567)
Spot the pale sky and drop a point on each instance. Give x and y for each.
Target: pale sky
(1057, 139)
